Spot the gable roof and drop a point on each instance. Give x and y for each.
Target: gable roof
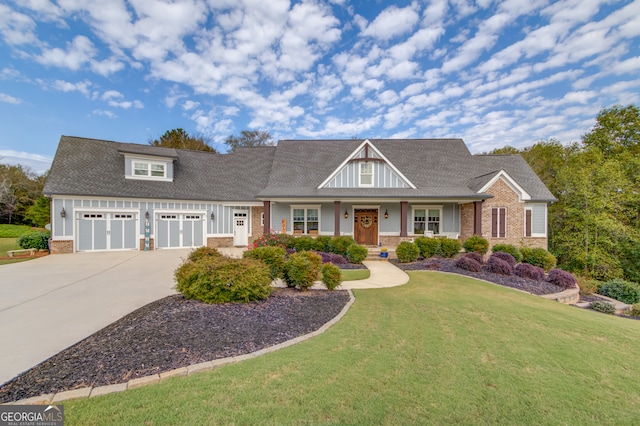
(94, 167)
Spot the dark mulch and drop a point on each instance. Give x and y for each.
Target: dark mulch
(513, 281)
(175, 332)
(350, 265)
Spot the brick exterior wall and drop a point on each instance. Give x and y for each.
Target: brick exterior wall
(219, 242)
(151, 246)
(257, 229)
(393, 241)
(504, 196)
(467, 217)
(61, 246)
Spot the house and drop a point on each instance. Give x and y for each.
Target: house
(121, 196)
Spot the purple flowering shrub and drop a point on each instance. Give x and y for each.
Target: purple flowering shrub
(532, 272)
(498, 266)
(475, 256)
(561, 278)
(468, 263)
(506, 257)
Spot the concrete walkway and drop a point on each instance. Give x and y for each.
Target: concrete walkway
(383, 274)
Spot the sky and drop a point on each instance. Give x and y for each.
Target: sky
(493, 73)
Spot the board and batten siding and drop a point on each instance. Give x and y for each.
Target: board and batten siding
(383, 177)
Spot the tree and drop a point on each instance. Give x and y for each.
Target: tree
(19, 188)
(179, 139)
(249, 139)
(617, 130)
(38, 214)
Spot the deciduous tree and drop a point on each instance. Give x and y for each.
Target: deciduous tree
(179, 139)
(249, 138)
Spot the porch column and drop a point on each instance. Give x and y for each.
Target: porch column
(477, 215)
(403, 218)
(336, 218)
(267, 217)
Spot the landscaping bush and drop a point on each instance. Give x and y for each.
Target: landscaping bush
(322, 243)
(498, 266)
(635, 310)
(509, 248)
(561, 278)
(407, 252)
(603, 306)
(339, 245)
(357, 253)
(336, 259)
(203, 253)
(302, 269)
(331, 276)
(273, 256)
(468, 263)
(532, 272)
(475, 256)
(34, 240)
(304, 243)
(281, 240)
(505, 256)
(588, 285)
(223, 280)
(449, 247)
(538, 257)
(476, 243)
(624, 291)
(429, 247)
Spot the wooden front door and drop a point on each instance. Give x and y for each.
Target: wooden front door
(366, 226)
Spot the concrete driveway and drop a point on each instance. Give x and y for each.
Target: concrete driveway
(50, 303)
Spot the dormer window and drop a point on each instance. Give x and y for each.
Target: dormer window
(366, 173)
(145, 169)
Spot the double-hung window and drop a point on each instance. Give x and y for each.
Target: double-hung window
(425, 218)
(498, 222)
(366, 173)
(535, 220)
(146, 169)
(306, 220)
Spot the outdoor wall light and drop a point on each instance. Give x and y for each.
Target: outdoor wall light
(213, 216)
(386, 214)
(63, 213)
(346, 214)
(146, 215)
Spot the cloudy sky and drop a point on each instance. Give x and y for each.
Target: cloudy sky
(494, 73)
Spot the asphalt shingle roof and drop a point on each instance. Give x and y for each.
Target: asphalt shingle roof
(439, 168)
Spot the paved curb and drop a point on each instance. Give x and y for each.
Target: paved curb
(89, 392)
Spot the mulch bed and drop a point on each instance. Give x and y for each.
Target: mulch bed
(448, 265)
(174, 332)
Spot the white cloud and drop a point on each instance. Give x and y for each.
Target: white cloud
(114, 99)
(16, 28)
(80, 51)
(36, 162)
(189, 105)
(65, 86)
(9, 99)
(392, 22)
(104, 113)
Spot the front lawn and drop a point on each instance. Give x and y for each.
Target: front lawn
(443, 349)
(355, 274)
(7, 244)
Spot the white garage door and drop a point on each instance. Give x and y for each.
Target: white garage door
(176, 230)
(107, 231)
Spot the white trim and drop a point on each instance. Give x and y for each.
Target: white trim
(353, 156)
(80, 211)
(305, 207)
(426, 208)
(372, 174)
(522, 194)
(178, 213)
(546, 213)
(156, 158)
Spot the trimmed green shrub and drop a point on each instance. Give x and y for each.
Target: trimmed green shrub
(203, 253)
(603, 306)
(223, 280)
(331, 276)
(624, 291)
(561, 278)
(532, 272)
(469, 264)
(449, 247)
(429, 247)
(357, 253)
(509, 248)
(275, 257)
(304, 243)
(322, 243)
(538, 257)
(407, 252)
(499, 266)
(504, 256)
(339, 245)
(34, 240)
(282, 240)
(302, 269)
(476, 243)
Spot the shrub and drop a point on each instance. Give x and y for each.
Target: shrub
(508, 248)
(588, 285)
(274, 257)
(34, 240)
(449, 247)
(475, 256)
(538, 257)
(407, 252)
(532, 272)
(339, 245)
(624, 291)
(603, 306)
(222, 280)
(429, 247)
(635, 310)
(561, 278)
(302, 269)
(476, 243)
(331, 276)
(203, 253)
(282, 240)
(357, 253)
(336, 259)
(468, 263)
(304, 243)
(322, 243)
(498, 266)
(505, 256)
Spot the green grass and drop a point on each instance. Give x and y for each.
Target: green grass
(355, 274)
(7, 244)
(13, 231)
(443, 349)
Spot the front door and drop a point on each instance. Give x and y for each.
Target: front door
(366, 226)
(240, 229)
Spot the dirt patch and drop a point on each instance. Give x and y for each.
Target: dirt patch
(174, 332)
